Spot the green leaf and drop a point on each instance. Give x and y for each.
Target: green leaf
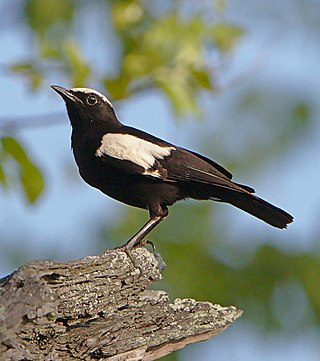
(118, 87)
(13, 147)
(139, 64)
(226, 35)
(180, 95)
(22, 67)
(31, 71)
(30, 177)
(202, 78)
(42, 14)
(31, 181)
(3, 179)
(126, 13)
(78, 67)
(301, 112)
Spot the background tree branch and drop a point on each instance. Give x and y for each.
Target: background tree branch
(98, 307)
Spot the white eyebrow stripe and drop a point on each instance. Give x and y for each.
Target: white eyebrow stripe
(131, 148)
(90, 91)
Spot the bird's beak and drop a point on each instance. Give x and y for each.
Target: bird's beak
(66, 94)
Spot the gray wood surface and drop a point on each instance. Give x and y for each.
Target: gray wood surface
(100, 307)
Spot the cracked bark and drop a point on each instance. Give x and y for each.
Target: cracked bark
(100, 307)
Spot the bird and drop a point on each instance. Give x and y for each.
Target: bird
(144, 171)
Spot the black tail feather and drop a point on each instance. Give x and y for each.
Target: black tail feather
(259, 208)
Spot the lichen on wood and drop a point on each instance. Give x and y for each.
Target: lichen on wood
(100, 307)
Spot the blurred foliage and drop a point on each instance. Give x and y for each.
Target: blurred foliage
(28, 175)
(157, 52)
(173, 48)
(272, 132)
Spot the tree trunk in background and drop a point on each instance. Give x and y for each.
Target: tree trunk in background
(100, 307)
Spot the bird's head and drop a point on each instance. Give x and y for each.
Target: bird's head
(86, 106)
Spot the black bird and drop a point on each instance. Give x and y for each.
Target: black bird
(141, 170)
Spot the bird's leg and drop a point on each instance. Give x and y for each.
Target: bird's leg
(157, 214)
(142, 233)
(138, 238)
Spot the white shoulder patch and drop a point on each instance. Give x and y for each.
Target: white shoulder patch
(92, 91)
(134, 149)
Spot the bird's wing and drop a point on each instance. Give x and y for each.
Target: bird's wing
(143, 154)
(135, 153)
(213, 163)
(184, 165)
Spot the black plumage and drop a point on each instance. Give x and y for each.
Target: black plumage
(144, 171)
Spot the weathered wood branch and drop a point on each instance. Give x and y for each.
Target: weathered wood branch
(100, 307)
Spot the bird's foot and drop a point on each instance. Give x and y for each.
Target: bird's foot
(129, 246)
(133, 244)
(147, 243)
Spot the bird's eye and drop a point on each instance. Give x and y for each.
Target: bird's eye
(92, 99)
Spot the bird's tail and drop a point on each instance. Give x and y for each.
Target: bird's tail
(259, 208)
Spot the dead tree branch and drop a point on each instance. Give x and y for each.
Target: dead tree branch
(100, 307)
